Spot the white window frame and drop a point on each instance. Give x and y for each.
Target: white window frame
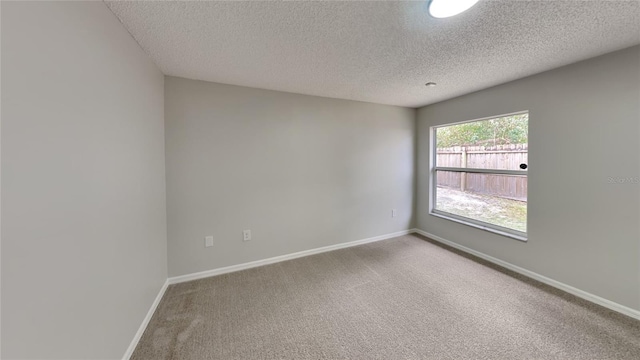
(511, 233)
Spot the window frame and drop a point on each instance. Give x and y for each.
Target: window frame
(497, 229)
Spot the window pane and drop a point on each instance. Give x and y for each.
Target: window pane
(500, 143)
(492, 198)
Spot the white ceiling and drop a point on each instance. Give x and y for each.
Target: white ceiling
(381, 52)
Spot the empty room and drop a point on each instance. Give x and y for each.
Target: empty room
(245, 180)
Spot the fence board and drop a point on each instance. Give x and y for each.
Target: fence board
(505, 157)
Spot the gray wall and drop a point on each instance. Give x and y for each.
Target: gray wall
(300, 171)
(83, 187)
(584, 127)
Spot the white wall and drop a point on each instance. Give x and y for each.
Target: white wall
(584, 126)
(83, 187)
(84, 241)
(300, 171)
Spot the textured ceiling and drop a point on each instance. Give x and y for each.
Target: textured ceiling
(381, 52)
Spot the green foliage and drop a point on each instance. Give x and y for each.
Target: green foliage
(499, 131)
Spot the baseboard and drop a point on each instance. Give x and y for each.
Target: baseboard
(252, 264)
(145, 322)
(543, 279)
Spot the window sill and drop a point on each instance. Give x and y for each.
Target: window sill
(461, 220)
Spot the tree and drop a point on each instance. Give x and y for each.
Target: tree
(499, 131)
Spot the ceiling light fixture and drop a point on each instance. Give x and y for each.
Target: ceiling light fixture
(446, 8)
(430, 84)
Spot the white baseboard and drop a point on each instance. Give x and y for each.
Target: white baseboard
(252, 264)
(543, 279)
(145, 322)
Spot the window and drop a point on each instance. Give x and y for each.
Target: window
(478, 173)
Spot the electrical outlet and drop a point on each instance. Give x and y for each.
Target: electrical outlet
(208, 241)
(246, 235)
(393, 212)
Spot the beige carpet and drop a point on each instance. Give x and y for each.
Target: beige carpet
(404, 298)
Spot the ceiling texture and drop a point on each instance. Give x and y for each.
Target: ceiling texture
(380, 52)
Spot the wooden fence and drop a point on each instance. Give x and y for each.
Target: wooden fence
(504, 157)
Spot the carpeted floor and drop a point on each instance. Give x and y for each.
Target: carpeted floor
(403, 298)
